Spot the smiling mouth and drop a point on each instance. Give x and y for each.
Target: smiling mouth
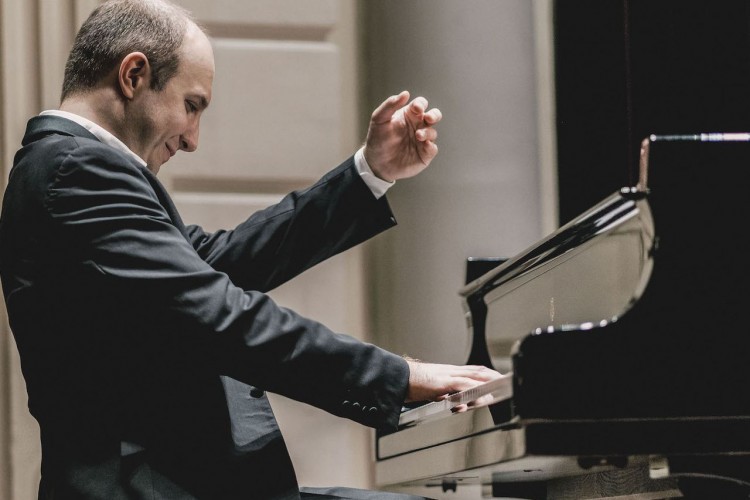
(172, 152)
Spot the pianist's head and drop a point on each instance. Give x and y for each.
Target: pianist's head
(144, 70)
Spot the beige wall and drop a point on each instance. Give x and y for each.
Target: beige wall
(491, 192)
(287, 107)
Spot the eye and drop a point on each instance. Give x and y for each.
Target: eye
(191, 106)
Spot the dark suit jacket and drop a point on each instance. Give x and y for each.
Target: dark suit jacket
(144, 342)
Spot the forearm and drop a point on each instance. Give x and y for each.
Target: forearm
(305, 228)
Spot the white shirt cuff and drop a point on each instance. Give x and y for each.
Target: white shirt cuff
(377, 185)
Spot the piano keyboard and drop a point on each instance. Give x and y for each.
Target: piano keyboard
(500, 389)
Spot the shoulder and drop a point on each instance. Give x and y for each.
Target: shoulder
(71, 169)
(58, 154)
(64, 164)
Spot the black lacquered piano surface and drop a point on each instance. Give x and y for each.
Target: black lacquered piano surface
(624, 337)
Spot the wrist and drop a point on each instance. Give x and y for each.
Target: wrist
(416, 380)
(375, 168)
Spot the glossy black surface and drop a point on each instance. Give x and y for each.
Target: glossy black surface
(559, 281)
(683, 349)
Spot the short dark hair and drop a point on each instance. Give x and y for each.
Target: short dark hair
(118, 27)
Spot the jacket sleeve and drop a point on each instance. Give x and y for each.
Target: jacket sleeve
(303, 229)
(108, 219)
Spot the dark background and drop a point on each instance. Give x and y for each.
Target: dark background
(626, 69)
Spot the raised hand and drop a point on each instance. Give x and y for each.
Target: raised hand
(401, 137)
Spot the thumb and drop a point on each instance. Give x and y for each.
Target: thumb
(384, 112)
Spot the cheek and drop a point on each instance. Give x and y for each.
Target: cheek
(165, 121)
(173, 123)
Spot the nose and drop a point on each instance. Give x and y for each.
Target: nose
(189, 139)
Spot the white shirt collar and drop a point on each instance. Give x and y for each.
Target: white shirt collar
(99, 132)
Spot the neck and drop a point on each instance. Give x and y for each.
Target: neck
(100, 107)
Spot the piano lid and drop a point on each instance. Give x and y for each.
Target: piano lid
(560, 281)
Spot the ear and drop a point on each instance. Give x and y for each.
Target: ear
(134, 74)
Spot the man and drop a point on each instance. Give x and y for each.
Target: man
(146, 344)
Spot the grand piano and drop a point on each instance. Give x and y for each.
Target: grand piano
(623, 339)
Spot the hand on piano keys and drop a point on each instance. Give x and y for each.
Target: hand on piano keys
(481, 386)
(437, 382)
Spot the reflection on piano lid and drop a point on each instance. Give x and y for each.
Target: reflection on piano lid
(623, 335)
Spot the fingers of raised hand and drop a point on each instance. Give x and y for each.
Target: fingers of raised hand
(420, 116)
(418, 106)
(424, 124)
(387, 108)
(427, 151)
(433, 116)
(426, 134)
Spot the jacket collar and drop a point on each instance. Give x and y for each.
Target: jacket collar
(43, 125)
